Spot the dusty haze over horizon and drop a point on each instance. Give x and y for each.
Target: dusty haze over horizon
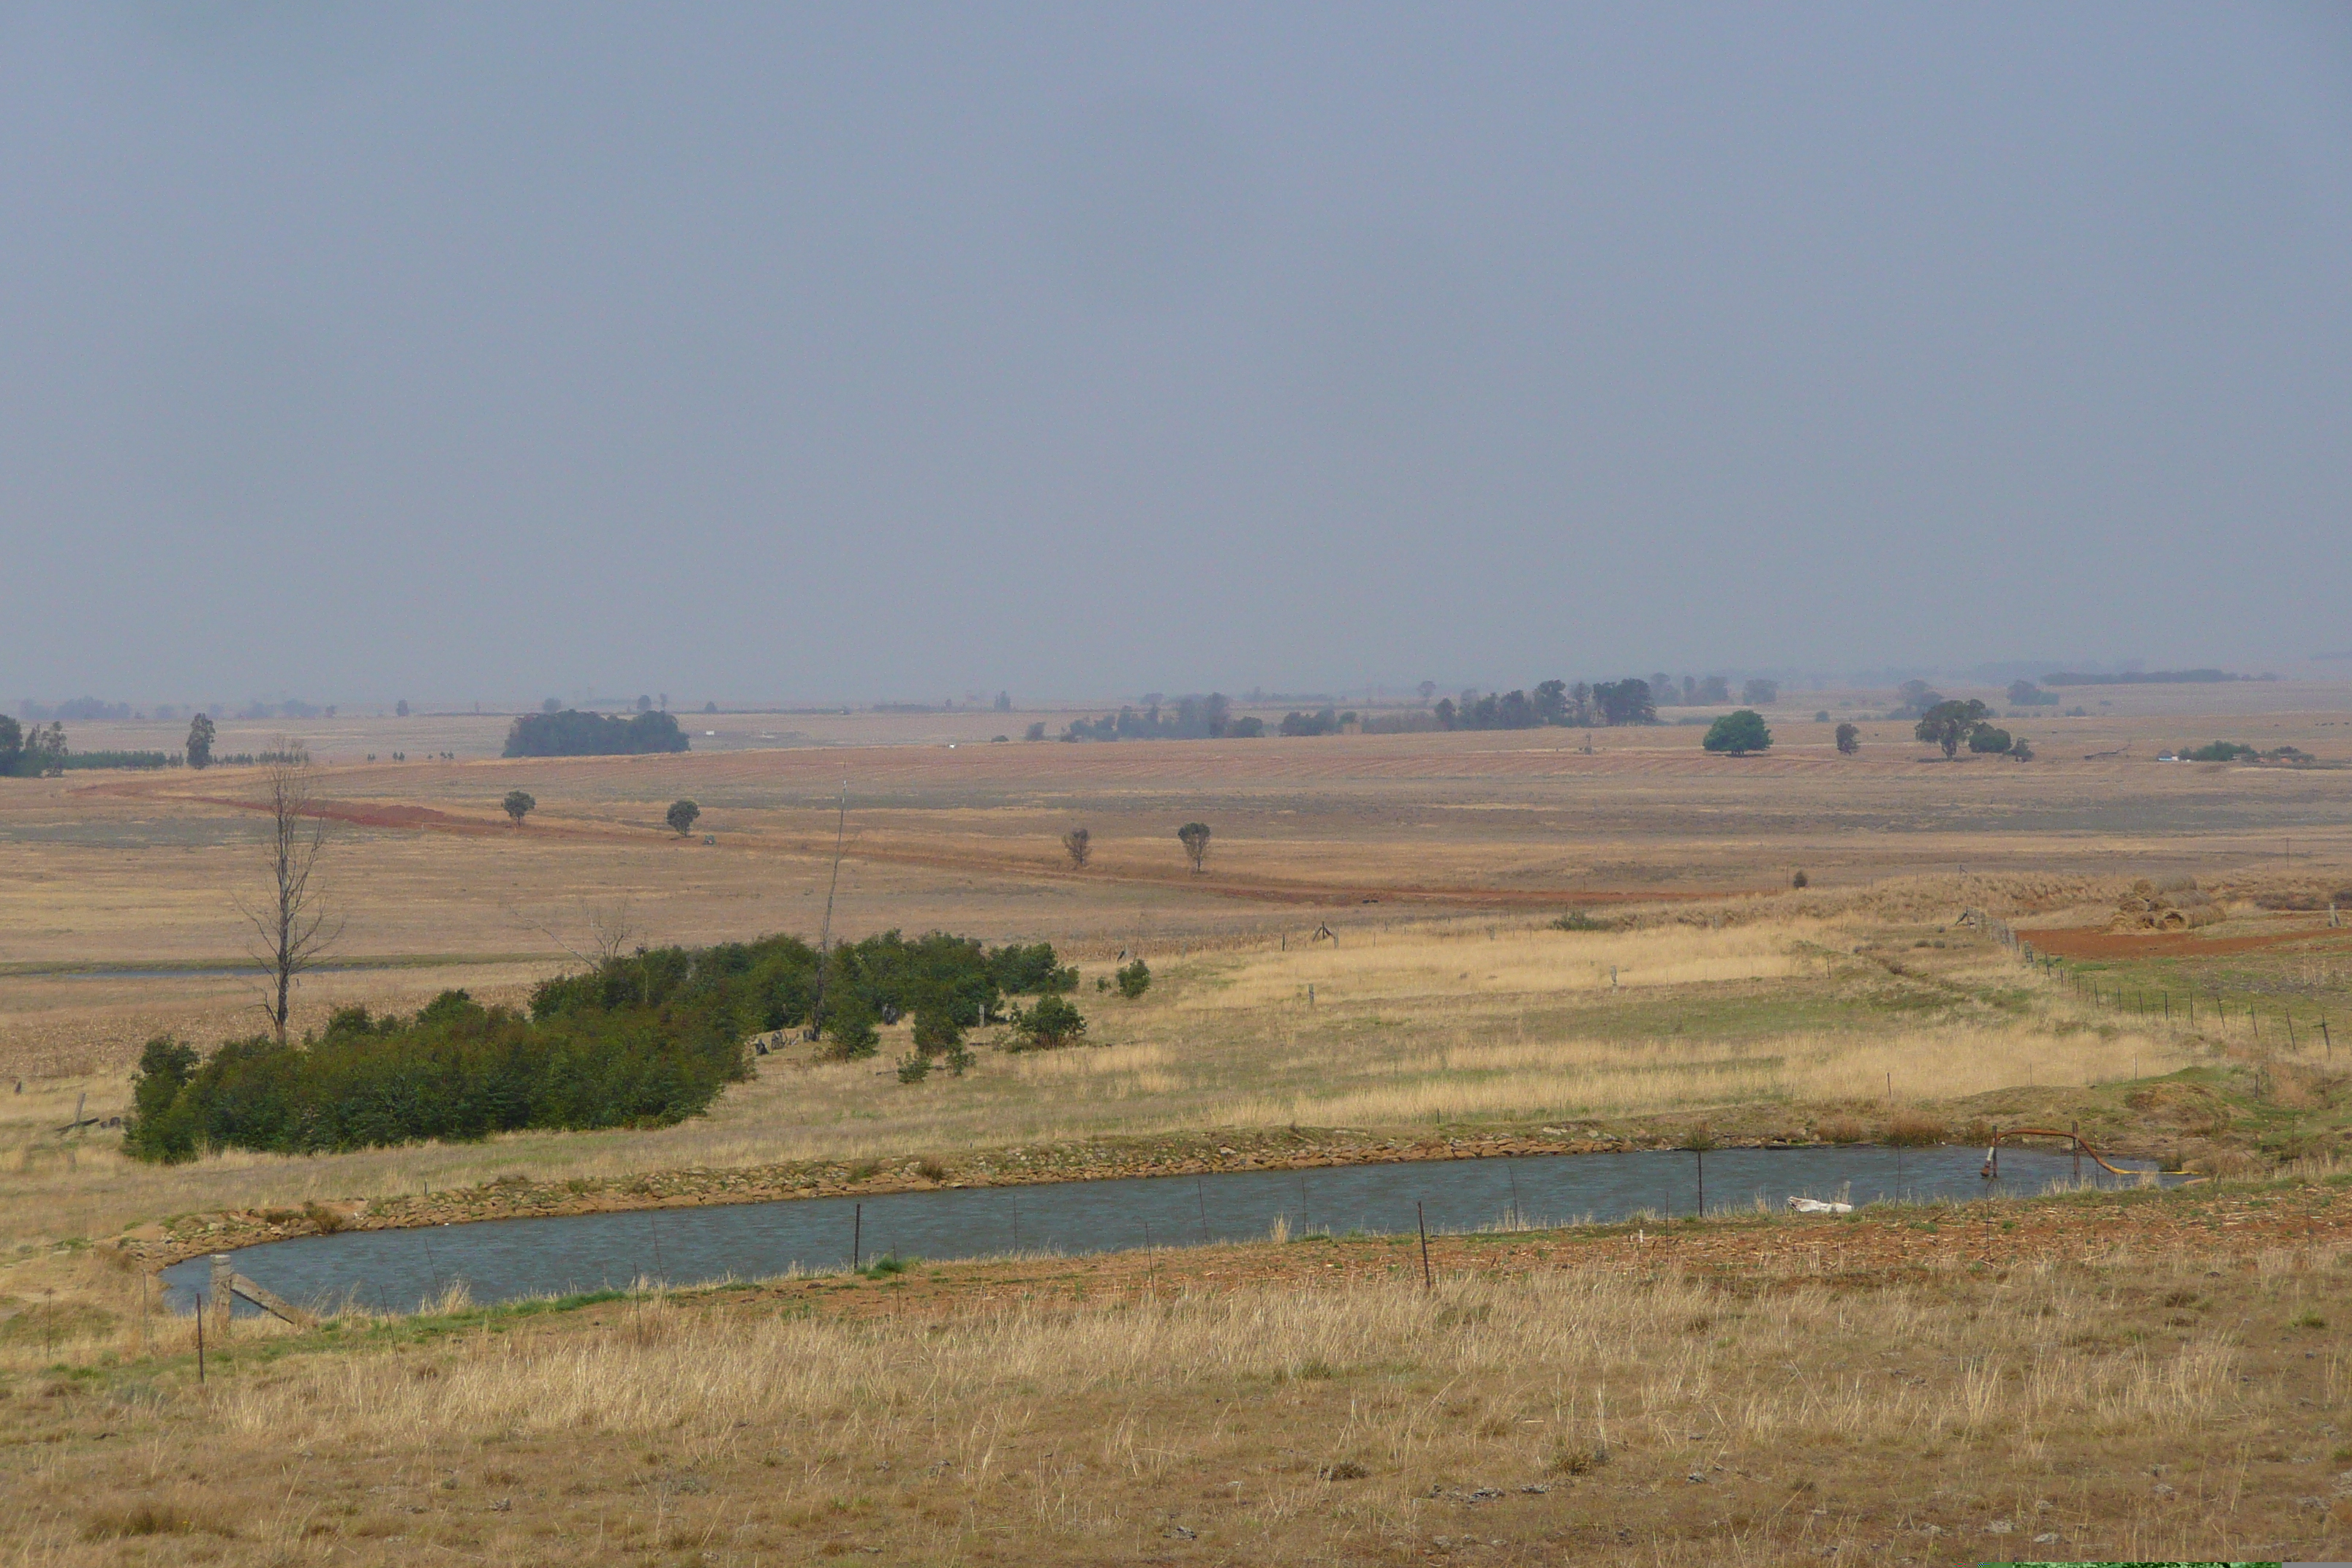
(792, 353)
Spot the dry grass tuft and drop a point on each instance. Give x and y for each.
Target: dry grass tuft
(1910, 1130)
(176, 1514)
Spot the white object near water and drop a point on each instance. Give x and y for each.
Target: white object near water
(1815, 1206)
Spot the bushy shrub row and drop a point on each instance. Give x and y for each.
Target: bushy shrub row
(457, 1070)
(648, 1038)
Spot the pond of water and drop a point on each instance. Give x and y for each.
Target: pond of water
(501, 1260)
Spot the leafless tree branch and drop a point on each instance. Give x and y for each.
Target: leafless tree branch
(295, 928)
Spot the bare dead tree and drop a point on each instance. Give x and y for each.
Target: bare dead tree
(1077, 844)
(609, 928)
(295, 928)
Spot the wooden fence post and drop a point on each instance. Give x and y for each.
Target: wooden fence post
(223, 1290)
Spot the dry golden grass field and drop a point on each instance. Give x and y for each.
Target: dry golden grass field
(1218, 1411)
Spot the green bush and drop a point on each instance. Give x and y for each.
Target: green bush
(1990, 740)
(2218, 751)
(456, 1071)
(1134, 980)
(1049, 1026)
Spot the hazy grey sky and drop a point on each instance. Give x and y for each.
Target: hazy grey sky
(490, 351)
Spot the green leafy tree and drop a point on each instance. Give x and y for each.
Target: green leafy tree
(1989, 740)
(681, 815)
(1195, 837)
(200, 741)
(12, 745)
(1627, 701)
(1760, 692)
(1738, 732)
(849, 1027)
(519, 804)
(157, 1127)
(1134, 980)
(1849, 740)
(1913, 697)
(1950, 722)
(937, 1030)
(401, 708)
(1052, 1023)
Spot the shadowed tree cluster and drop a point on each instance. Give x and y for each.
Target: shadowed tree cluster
(571, 734)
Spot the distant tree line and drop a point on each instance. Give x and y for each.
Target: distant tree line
(1323, 721)
(642, 1039)
(35, 752)
(1190, 718)
(1554, 702)
(572, 733)
(2149, 678)
(79, 709)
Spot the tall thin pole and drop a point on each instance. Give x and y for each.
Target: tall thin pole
(857, 1236)
(824, 933)
(1428, 1280)
(199, 1336)
(1200, 1193)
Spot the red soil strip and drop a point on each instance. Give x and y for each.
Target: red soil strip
(2089, 941)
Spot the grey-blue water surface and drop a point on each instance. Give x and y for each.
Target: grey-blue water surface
(501, 1260)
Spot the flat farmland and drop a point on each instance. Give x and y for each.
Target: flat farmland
(2051, 1352)
(142, 874)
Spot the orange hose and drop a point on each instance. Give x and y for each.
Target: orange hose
(2080, 1142)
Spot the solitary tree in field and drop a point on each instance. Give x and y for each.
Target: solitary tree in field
(294, 927)
(1849, 740)
(681, 815)
(1949, 722)
(401, 708)
(200, 741)
(519, 804)
(1195, 837)
(1760, 692)
(552, 705)
(1079, 844)
(1738, 732)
